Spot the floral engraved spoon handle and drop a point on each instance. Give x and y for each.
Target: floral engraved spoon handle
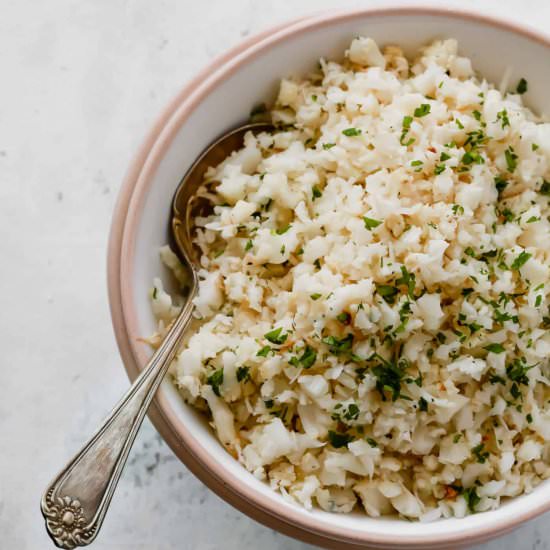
(75, 503)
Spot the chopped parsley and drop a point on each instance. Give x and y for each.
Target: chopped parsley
(480, 454)
(248, 245)
(316, 193)
(522, 86)
(508, 215)
(276, 336)
(458, 209)
(500, 183)
(472, 498)
(389, 375)
(387, 292)
(520, 260)
(215, 380)
(315, 296)
(495, 379)
(503, 117)
(408, 279)
(327, 146)
(423, 110)
(283, 230)
(338, 440)
(517, 371)
(472, 157)
(495, 348)
(351, 413)
(371, 223)
(306, 360)
(339, 345)
(344, 317)
(372, 442)
(351, 132)
(511, 159)
(407, 120)
(243, 374)
(264, 351)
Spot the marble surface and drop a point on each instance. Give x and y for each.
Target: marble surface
(81, 83)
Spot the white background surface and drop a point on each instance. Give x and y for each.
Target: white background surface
(80, 84)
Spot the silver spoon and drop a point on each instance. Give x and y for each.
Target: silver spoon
(76, 501)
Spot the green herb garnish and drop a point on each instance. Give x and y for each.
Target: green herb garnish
(387, 292)
(503, 117)
(283, 230)
(423, 110)
(511, 159)
(371, 223)
(388, 377)
(306, 360)
(517, 371)
(276, 337)
(495, 348)
(522, 86)
(338, 440)
(472, 498)
(480, 454)
(215, 380)
(520, 260)
(243, 374)
(344, 318)
(339, 345)
(408, 279)
(500, 183)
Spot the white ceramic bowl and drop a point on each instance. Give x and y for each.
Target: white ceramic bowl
(218, 99)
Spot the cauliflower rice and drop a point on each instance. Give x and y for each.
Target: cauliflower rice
(372, 321)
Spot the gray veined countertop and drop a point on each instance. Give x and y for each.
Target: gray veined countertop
(81, 82)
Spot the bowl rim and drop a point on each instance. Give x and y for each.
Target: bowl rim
(120, 256)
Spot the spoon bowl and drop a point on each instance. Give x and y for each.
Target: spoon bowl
(186, 204)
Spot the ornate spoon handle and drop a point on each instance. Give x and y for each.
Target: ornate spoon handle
(75, 503)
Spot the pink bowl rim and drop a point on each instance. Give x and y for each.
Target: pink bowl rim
(120, 259)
